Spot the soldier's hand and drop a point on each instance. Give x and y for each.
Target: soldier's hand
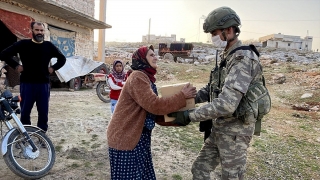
(181, 117)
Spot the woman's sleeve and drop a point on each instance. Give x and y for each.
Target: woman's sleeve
(141, 92)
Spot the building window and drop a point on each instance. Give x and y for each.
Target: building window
(288, 44)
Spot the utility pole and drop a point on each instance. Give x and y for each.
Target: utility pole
(149, 31)
(199, 30)
(307, 39)
(202, 17)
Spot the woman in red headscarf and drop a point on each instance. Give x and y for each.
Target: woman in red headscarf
(129, 131)
(116, 80)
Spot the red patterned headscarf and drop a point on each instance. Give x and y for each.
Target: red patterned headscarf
(140, 63)
(119, 76)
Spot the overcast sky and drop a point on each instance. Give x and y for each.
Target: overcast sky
(130, 18)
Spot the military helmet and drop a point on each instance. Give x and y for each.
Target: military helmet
(221, 18)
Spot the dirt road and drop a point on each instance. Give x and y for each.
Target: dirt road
(287, 149)
(77, 123)
(77, 127)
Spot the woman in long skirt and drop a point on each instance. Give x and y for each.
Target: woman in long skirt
(129, 131)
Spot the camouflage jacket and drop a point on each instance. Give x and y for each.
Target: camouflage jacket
(242, 68)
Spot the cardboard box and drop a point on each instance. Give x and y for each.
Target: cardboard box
(169, 90)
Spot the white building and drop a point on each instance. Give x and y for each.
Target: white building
(159, 39)
(287, 41)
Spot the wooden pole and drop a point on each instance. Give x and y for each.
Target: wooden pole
(101, 40)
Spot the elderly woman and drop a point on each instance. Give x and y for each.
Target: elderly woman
(129, 131)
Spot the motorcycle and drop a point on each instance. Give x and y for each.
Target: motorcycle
(102, 85)
(103, 91)
(26, 149)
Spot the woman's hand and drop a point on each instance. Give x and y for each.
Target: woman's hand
(189, 91)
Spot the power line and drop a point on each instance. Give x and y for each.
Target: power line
(267, 33)
(285, 20)
(253, 32)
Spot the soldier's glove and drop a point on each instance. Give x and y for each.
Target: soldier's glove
(181, 118)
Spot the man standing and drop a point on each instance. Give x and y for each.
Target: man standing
(35, 55)
(233, 116)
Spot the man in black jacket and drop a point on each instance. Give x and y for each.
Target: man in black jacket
(35, 55)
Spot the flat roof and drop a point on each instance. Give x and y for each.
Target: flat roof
(66, 13)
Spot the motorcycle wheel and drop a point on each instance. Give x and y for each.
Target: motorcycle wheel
(27, 164)
(103, 92)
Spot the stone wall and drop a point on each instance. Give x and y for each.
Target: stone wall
(84, 45)
(83, 6)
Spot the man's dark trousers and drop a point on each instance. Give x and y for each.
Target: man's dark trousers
(31, 93)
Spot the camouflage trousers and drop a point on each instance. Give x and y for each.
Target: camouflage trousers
(229, 150)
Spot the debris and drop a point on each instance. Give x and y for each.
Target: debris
(306, 95)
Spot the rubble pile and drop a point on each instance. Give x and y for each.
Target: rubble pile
(283, 55)
(206, 53)
(312, 79)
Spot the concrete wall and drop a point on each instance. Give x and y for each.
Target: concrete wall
(84, 40)
(307, 42)
(84, 44)
(304, 45)
(83, 6)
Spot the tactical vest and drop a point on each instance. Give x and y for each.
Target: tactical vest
(256, 101)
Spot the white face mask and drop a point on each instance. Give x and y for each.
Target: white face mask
(216, 41)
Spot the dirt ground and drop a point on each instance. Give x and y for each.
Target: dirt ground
(78, 122)
(77, 127)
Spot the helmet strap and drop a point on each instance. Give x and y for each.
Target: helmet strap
(234, 37)
(224, 35)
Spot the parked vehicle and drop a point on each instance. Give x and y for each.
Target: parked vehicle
(175, 50)
(73, 73)
(26, 149)
(77, 82)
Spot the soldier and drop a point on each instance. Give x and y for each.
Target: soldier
(233, 116)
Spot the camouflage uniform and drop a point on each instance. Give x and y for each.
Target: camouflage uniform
(230, 137)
